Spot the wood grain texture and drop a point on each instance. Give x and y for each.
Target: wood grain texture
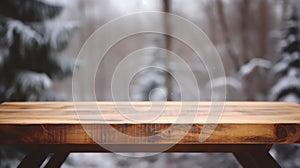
(149, 123)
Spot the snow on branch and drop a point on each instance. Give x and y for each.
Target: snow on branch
(255, 63)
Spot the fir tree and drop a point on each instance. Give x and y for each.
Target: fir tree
(150, 83)
(30, 47)
(287, 70)
(287, 86)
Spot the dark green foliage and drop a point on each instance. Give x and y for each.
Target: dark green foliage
(287, 70)
(30, 46)
(29, 10)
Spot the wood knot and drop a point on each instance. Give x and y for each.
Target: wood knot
(283, 131)
(280, 132)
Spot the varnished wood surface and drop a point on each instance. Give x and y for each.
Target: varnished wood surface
(168, 112)
(67, 123)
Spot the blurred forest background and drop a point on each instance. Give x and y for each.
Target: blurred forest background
(247, 35)
(257, 40)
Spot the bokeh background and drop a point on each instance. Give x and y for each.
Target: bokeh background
(257, 40)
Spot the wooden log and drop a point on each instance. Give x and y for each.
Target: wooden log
(149, 123)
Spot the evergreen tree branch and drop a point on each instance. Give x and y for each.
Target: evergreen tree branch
(29, 10)
(28, 85)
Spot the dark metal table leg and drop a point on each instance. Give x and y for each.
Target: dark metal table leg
(34, 159)
(259, 157)
(57, 160)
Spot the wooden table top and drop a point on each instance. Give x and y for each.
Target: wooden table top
(149, 123)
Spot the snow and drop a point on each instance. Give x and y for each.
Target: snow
(291, 38)
(171, 160)
(284, 83)
(253, 64)
(28, 37)
(280, 67)
(225, 81)
(290, 98)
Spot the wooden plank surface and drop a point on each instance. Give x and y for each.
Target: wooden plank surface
(149, 123)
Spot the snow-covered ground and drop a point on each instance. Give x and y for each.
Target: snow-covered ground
(171, 160)
(288, 158)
